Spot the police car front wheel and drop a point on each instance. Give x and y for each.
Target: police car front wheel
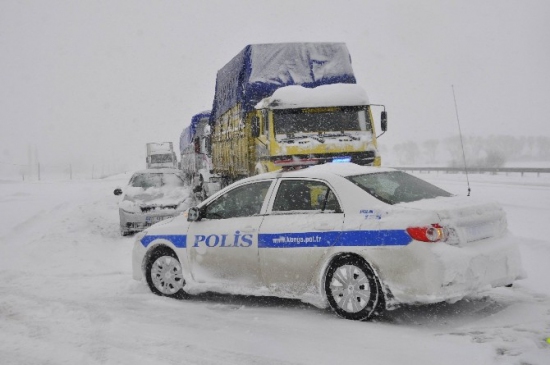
(352, 288)
(164, 274)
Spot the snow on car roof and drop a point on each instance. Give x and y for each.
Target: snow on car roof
(345, 169)
(327, 169)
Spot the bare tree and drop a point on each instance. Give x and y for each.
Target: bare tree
(430, 147)
(407, 152)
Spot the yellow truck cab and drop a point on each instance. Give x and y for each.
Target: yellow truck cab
(299, 126)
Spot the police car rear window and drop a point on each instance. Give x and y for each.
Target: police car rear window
(396, 187)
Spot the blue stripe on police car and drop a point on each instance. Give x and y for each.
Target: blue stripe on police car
(335, 238)
(291, 240)
(176, 239)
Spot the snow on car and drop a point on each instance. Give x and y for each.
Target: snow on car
(151, 196)
(358, 239)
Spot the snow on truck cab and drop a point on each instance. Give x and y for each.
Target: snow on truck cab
(161, 155)
(288, 105)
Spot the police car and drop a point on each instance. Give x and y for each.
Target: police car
(358, 239)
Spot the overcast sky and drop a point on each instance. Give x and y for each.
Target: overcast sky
(88, 81)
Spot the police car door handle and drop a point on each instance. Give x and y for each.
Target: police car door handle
(248, 229)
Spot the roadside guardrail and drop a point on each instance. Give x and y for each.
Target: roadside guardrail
(477, 170)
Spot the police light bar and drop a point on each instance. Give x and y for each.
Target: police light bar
(341, 159)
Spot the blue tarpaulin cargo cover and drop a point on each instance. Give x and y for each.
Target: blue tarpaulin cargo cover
(260, 69)
(188, 133)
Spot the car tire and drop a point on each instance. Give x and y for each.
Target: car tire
(352, 289)
(164, 274)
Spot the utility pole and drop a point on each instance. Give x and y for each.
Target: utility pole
(29, 161)
(37, 160)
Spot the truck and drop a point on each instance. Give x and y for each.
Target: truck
(196, 155)
(161, 155)
(286, 106)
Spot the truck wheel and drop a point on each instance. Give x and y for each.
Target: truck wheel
(188, 179)
(164, 275)
(352, 289)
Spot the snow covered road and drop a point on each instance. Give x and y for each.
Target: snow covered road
(67, 296)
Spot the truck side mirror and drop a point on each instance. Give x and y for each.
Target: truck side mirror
(384, 121)
(255, 127)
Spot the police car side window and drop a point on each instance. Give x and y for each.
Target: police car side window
(305, 195)
(243, 201)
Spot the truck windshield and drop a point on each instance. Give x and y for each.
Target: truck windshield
(160, 158)
(338, 119)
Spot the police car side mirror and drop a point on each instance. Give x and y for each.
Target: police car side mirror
(118, 191)
(193, 214)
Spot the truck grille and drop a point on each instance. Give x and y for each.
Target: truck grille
(360, 158)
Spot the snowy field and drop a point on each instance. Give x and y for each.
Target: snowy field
(67, 296)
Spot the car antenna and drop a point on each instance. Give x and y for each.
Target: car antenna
(461, 142)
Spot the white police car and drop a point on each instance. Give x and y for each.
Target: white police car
(360, 239)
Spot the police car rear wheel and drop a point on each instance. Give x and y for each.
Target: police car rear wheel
(164, 274)
(352, 288)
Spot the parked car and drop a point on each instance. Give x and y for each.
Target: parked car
(358, 239)
(151, 196)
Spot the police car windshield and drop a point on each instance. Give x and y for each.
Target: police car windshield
(397, 187)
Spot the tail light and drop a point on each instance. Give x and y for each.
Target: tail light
(431, 233)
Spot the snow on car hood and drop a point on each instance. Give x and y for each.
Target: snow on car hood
(137, 199)
(468, 218)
